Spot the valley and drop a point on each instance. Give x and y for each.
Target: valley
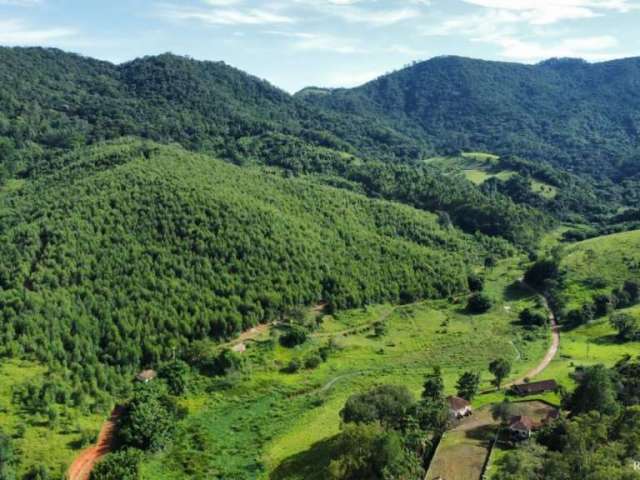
(205, 277)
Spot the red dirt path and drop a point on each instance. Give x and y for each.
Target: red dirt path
(81, 467)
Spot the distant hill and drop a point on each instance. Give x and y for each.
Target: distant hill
(581, 117)
(53, 102)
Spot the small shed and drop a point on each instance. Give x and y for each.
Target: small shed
(146, 376)
(535, 388)
(459, 407)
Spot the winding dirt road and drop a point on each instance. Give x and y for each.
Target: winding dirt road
(81, 467)
(555, 342)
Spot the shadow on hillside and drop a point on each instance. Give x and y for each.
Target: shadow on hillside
(308, 465)
(609, 340)
(484, 432)
(515, 292)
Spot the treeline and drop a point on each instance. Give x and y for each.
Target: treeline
(133, 250)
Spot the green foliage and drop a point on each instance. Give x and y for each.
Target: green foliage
(7, 458)
(468, 385)
(560, 107)
(500, 368)
(149, 418)
(596, 391)
(387, 404)
(541, 271)
(533, 318)
(433, 388)
(133, 251)
(294, 336)
(627, 325)
(479, 303)
(369, 451)
(175, 375)
(121, 465)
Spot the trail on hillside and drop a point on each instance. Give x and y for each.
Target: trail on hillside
(81, 467)
(555, 341)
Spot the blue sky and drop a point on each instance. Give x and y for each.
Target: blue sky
(297, 43)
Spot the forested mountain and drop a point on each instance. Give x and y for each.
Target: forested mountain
(581, 117)
(70, 101)
(132, 249)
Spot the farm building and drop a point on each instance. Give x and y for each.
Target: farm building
(521, 427)
(459, 407)
(535, 388)
(146, 376)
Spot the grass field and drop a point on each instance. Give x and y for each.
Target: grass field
(598, 265)
(269, 424)
(479, 167)
(39, 442)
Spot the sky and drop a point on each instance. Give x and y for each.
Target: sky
(326, 43)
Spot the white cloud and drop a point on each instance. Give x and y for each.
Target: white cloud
(16, 33)
(545, 12)
(225, 16)
(590, 48)
(367, 12)
(320, 42)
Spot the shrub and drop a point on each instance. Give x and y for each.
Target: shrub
(293, 337)
(312, 362)
(478, 303)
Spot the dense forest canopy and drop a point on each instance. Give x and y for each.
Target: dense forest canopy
(131, 250)
(579, 116)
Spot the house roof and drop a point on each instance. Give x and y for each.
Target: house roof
(522, 422)
(536, 387)
(457, 403)
(146, 375)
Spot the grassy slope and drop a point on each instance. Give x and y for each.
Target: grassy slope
(40, 444)
(287, 421)
(479, 167)
(611, 259)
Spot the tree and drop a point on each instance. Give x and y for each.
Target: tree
(387, 404)
(628, 326)
(294, 336)
(468, 385)
(532, 318)
(596, 391)
(503, 411)
(122, 465)
(379, 329)
(433, 387)
(368, 451)
(7, 458)
(500, 368)
(175, 375)
(478, 303)
(476, 283)
(149, 419)
(632, 288)
(540, 272)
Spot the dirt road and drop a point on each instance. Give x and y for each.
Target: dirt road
(553, 349)
(81, 467)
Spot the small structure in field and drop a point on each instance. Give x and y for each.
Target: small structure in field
(146, 376)
(535, 388)
(521, 427)
(239, 347)
(459, 407)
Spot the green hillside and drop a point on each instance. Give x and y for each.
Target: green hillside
(599, 265)
(579, 116)
(133, 249)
